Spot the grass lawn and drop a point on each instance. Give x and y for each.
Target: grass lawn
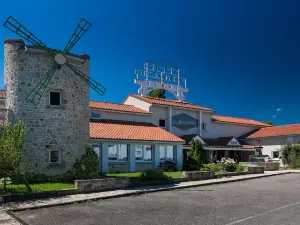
(36, 187)
(137, 174)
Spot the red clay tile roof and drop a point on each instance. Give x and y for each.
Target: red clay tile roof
(127, 130)
(117, 107)
(242, 121)
(176, 103)
(276, 131)
(2, 94)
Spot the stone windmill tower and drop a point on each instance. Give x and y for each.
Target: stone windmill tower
(49, 91)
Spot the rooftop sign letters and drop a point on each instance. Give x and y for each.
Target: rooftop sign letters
(160, 76)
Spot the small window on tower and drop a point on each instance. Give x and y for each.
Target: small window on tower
(162, 123)
(55, 98)
(54, 157)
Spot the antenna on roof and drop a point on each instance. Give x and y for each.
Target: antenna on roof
(160, 76)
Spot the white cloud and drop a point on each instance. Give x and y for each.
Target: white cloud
(279, 109)
(274, 116)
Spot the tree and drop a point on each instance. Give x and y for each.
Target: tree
(11, 148)
(269, 122)
(290, 155)
(197, 152)
(157, 93)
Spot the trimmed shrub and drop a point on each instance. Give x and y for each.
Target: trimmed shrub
(87, 167)
(211, 167)
(153, 175)
(240, 168)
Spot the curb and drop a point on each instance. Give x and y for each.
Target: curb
(139, 192)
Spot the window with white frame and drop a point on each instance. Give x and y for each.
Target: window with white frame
(166, 152)
(275, 154)
(203, 126)
(95, 115)
(143, 153)
(55, 157)
(55, 98)
(118, 152)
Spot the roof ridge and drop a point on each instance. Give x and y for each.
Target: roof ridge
(238, 118)
(268, 125)
(293, 124)
(111, 103)
(165, 99)
(124, 122)
(168, 101)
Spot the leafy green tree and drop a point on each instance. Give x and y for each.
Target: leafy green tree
(269, 122)
(197, 152)
(87, 167)
(157, 93)
(290, 155)
(11, 148)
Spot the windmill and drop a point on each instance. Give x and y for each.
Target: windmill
(59, 57)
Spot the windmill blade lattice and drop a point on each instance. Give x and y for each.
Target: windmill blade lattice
(16, 27)
(80, 30)
(100, 89)
(37, 92)
(60, 58)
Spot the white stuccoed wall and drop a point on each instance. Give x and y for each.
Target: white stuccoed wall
(138, 103)
(271, 144)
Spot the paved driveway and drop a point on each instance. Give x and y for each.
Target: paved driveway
(273, 200)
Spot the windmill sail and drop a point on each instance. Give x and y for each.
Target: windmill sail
(100, 89)
(60, 57)
(16, 27)
(37, 92)
(80, 30)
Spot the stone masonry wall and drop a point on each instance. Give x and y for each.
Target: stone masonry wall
(66, 128)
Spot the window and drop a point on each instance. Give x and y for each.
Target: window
(162, 123)
(290, 140)
(95, 115)
(118, 152)
(166, 152)
(203, 126)
(143, 153)
(275, 154)
(233, 142)
(55, 98)
(54, 157)
(96, 148)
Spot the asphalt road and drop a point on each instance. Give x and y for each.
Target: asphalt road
(271, 201)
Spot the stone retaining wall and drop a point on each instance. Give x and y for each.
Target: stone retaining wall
(198, 175)
(102, 184)
(256, 169)
(268, 166)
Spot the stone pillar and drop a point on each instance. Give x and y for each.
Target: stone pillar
(210, 155)
(132, 157)
(179, 152)
(104, 158)
(226, 154)
(170, 119)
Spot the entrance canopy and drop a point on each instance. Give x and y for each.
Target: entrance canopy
(218, 144)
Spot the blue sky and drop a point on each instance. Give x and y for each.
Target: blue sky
(240, 58)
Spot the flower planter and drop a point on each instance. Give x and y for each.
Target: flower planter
(268, 166)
